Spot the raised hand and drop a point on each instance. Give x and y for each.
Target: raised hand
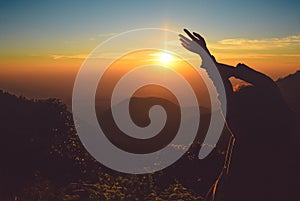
(196, 37)
(195, 44)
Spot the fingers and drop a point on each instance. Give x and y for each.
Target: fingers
(185, 46)
(198, 36)
(190, 35)
(185, 42)
(184, 39)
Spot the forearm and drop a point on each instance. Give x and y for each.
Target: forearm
(225, 72)
(252, 76)
(243, 72)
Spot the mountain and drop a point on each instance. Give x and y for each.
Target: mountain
(139, 108)
(35, 143)
(290, 89)
(42, 157)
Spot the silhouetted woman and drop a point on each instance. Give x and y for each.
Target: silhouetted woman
(261, 167)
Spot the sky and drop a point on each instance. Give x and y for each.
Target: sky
(43, 43)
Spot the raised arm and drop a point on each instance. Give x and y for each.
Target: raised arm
(196, 44)
(197, 40)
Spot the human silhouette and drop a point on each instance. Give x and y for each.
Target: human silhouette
(261, 167)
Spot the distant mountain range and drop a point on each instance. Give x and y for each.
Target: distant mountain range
(38, 138)
(290, 89)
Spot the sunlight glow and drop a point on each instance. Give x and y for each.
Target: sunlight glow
(165, 57)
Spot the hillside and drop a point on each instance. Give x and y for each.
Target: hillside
(42, 157)
(290, 89)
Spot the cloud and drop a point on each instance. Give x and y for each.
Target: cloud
(107, 55)
(257, 44)
(253, 55)
(78, 56)
(235, 48)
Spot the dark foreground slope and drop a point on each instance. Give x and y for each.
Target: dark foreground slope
(43, 159)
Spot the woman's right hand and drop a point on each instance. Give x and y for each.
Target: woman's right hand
(195, 44)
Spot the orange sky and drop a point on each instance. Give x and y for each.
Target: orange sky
(52, 75)
(56, 77)
(44, 44)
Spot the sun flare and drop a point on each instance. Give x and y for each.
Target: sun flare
(165, 57)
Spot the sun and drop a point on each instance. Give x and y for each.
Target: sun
(165, 57)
